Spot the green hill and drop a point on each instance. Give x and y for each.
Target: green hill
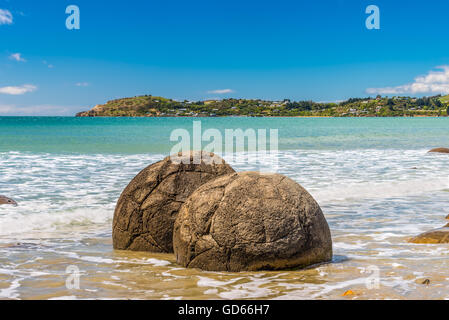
(154, 106)
(445, 99)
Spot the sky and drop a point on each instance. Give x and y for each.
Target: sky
(210, 49)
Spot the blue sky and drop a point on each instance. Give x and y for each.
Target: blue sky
(319, 50)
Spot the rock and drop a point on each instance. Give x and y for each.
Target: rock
(440, 150)
(348, 293)
(434, 236)
(447, 217)
(251, 221)
(147, 209)
(8, 201)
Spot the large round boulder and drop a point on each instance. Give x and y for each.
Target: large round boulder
(147, 208)
(251, 221)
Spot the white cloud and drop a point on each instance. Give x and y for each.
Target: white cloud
(435, 82)
(15, 91)
(5, 17)
(221, 91)
(17, 57)
(47, 64)
(82, 84)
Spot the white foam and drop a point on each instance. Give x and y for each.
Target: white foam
(158, 263)
(208, 282)
(22, 224)
(379, 190)
(58, 194)
(64, 298)
(96, 259)
(11, 291)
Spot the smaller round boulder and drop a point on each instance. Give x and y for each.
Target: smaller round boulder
(147, 208)
(439, 150)
(251, 221)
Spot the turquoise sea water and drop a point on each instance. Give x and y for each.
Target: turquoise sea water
(152, 135)
(373, 178)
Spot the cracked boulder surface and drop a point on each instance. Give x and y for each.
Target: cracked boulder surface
(250, 221)
(147, 208)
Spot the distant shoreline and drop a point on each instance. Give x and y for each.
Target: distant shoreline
(199, 117)
(218, 117)
(151, 106)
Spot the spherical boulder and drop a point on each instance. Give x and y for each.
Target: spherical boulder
(251, 221)
(439, 150)
(147, 208)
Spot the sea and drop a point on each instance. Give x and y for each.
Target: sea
(373, 177)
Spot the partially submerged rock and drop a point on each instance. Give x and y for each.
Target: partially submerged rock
(434, 236)
(440, 150)
(147, 209)
(7, 201)
(251, 221)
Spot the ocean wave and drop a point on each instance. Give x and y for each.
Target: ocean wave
(380, 190)
(61, 193)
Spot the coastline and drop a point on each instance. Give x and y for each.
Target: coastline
(152, 106)
(414, 116)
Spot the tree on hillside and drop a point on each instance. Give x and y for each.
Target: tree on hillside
(437, 103)
(390, 102)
